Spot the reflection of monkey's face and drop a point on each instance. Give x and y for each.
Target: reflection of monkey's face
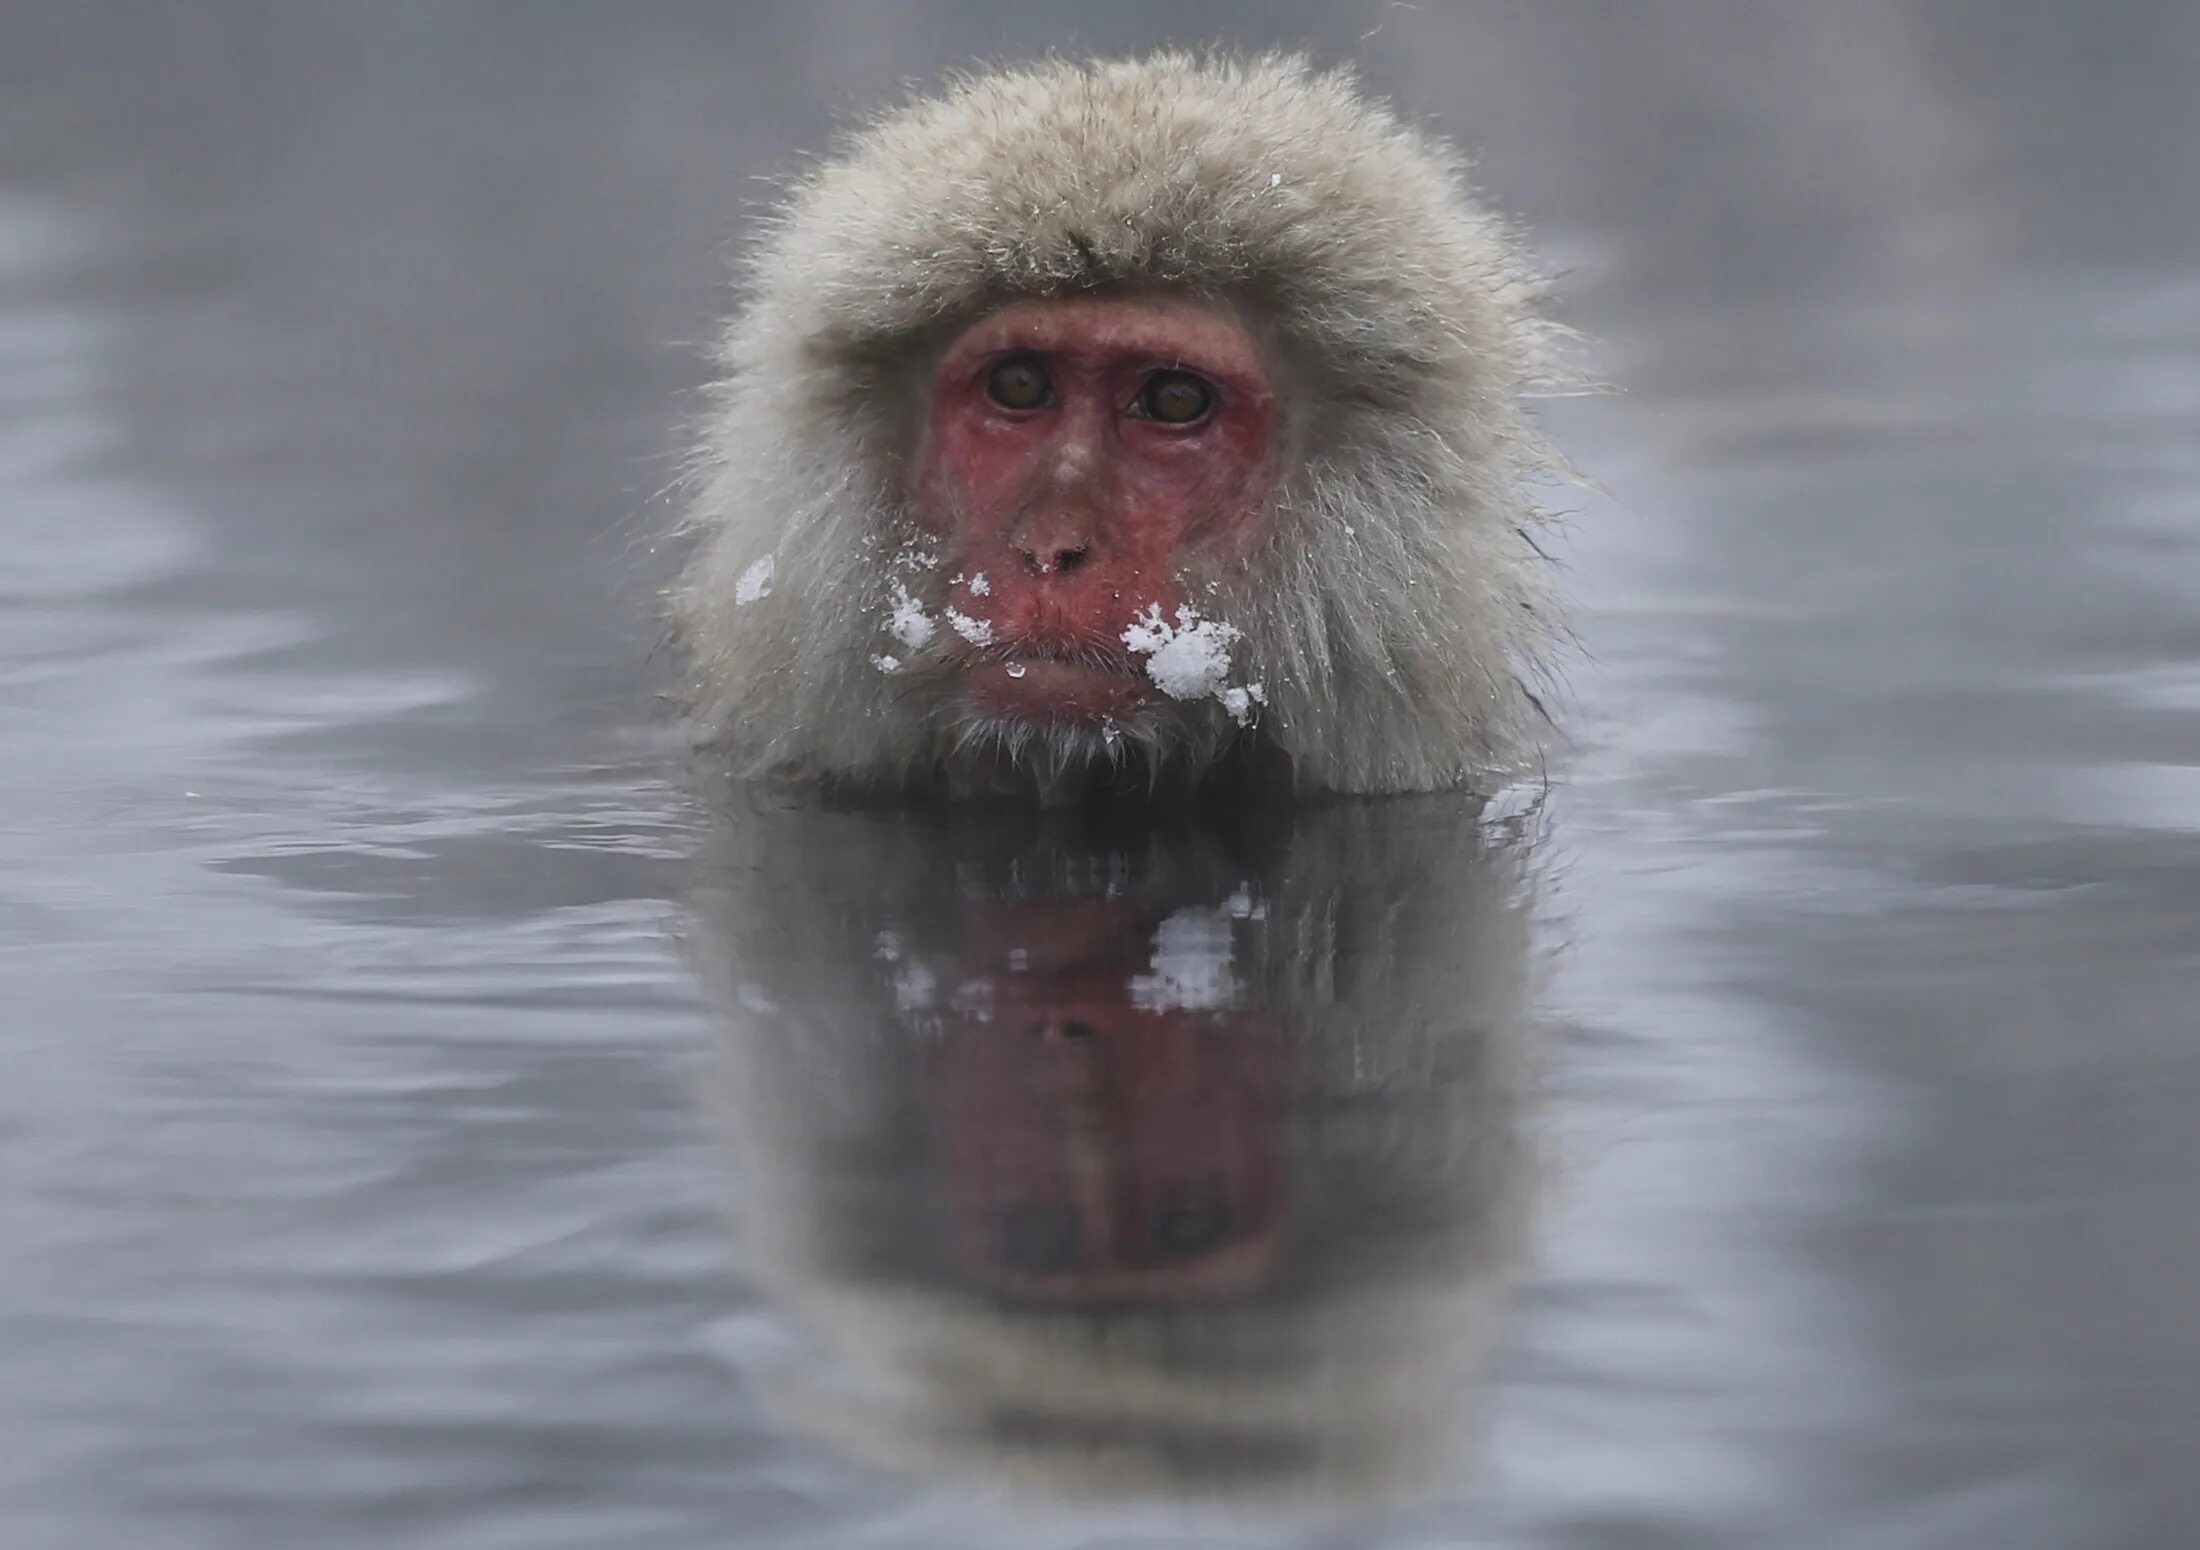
(1097, 1148)
(1079, 456)
(1124, 1153)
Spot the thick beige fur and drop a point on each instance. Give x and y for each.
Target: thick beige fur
(1399, 615)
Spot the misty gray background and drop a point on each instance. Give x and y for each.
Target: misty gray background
(353, 1185)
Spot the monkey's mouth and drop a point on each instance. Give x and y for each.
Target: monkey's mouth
(1054, 680)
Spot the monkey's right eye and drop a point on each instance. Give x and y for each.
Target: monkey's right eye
(1019, 383)
(1197, 1224)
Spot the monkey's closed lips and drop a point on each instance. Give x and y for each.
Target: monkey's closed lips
(1054, 688)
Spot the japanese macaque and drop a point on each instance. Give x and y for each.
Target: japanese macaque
(1127, 423)
(1186, 1162)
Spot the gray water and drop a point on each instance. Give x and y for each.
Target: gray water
(427, 1121)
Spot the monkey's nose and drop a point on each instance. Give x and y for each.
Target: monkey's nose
(1051, 558)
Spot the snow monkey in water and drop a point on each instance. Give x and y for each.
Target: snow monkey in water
(1126, 422)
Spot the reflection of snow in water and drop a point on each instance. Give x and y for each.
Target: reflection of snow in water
(1193, 968)
(916, 987)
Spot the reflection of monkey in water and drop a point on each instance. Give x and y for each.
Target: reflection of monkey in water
(1128, 420)
(1183, 1161)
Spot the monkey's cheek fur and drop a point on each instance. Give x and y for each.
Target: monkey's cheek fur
(1042, 690)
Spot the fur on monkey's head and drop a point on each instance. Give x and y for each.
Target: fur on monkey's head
(1394, 620)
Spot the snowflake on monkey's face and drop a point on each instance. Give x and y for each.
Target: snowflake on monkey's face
(907, 621)
(756, 582)
(1190, 659)
(979, 632)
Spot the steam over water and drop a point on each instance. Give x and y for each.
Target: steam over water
(429, 1121)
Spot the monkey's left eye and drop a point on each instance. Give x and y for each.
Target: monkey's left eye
(1174, 398)
(1019, 383)
(1197, 1224)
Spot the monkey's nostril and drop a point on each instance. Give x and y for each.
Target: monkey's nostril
(1045, 560)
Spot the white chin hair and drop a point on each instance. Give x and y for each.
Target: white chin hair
(1052, 747)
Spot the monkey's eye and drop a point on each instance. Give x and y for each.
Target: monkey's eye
(1019, 383)
(1174, 398)
(1199, 1223)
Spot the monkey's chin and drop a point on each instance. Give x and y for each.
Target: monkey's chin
(1051, 690)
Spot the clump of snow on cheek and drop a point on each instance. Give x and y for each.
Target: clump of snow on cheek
(755, 583)
(1190, 659)
(907, 621)
(1240, 703)
(1187, 660)
(915, 554)
(979, 632)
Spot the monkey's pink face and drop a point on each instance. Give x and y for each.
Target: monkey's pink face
(1079, 455)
